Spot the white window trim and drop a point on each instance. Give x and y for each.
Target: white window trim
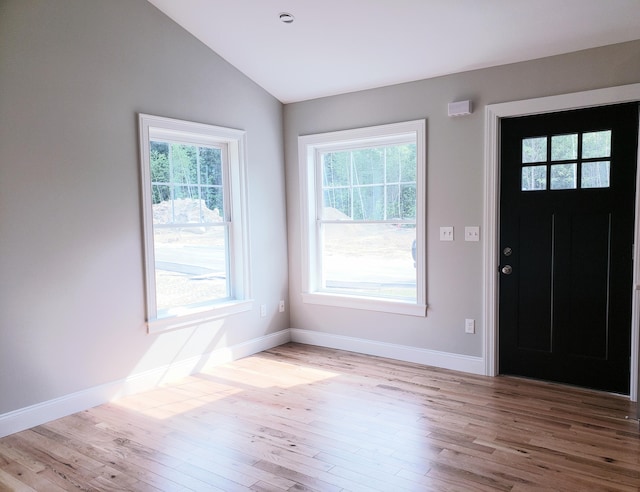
(308, 149)
(157, 127)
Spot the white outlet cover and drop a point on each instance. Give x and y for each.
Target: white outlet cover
(472, 233)
(469, 326)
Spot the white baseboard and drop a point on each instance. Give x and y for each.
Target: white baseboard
(41, 413)
(445, 360)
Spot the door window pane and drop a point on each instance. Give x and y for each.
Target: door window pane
(564, 176)
(534, 149)
(564, 147)
(595, 174)
(534, 178)
(596, 144)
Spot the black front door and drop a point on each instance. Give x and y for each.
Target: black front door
(566, 240)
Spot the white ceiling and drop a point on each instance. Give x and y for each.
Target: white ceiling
(338, 46)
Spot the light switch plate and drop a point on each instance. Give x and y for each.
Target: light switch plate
(446, 233)
(472, 233)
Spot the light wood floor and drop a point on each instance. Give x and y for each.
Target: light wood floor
(304, 418)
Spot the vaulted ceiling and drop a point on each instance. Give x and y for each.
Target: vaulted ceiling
(338, 46)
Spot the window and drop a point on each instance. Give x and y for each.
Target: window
(195, 227)
(563, 155)
(363, 202)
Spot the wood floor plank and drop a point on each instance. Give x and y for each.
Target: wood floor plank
(29, 478)
(9, 483)
(303, 418)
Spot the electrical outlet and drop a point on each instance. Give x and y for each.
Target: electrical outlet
(281, 306)
(446, 233)
(472, 233)
(263, 310)
(469, 325)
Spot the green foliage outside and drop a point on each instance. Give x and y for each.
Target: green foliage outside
(180, 171)
(376, 183)
(563, 148)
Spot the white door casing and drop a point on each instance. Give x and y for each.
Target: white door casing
(493, 114)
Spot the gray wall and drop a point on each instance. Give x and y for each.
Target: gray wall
(455, 152)
(73, 76)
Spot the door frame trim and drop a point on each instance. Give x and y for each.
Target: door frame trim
(493, 114)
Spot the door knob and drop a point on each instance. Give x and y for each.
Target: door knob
(507, 269)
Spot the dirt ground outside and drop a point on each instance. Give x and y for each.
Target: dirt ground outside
(373, 259)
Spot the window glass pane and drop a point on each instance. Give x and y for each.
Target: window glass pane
(368, 166)
(336, 204)
(159, 157)
(368, 203)
(393, 201)
(401, 163)
(186, 211)
(213, 206)
(564, 147)
(596, 144)
(409, 167)
(336, 169)
(564, 176)
(534, 149)
(401, 202)
(210, 166)
(191, 266)
(408, 201)
(378, 183)
(534, 178)
(395, 168)
(369, 259)
(184, 167)
(178, 172)
(595, 174)
(161, 193)
(182, 192)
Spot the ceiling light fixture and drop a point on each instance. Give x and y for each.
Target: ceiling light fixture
(286, 17)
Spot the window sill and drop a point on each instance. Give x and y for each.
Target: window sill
(354, 302)
(194, 317)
